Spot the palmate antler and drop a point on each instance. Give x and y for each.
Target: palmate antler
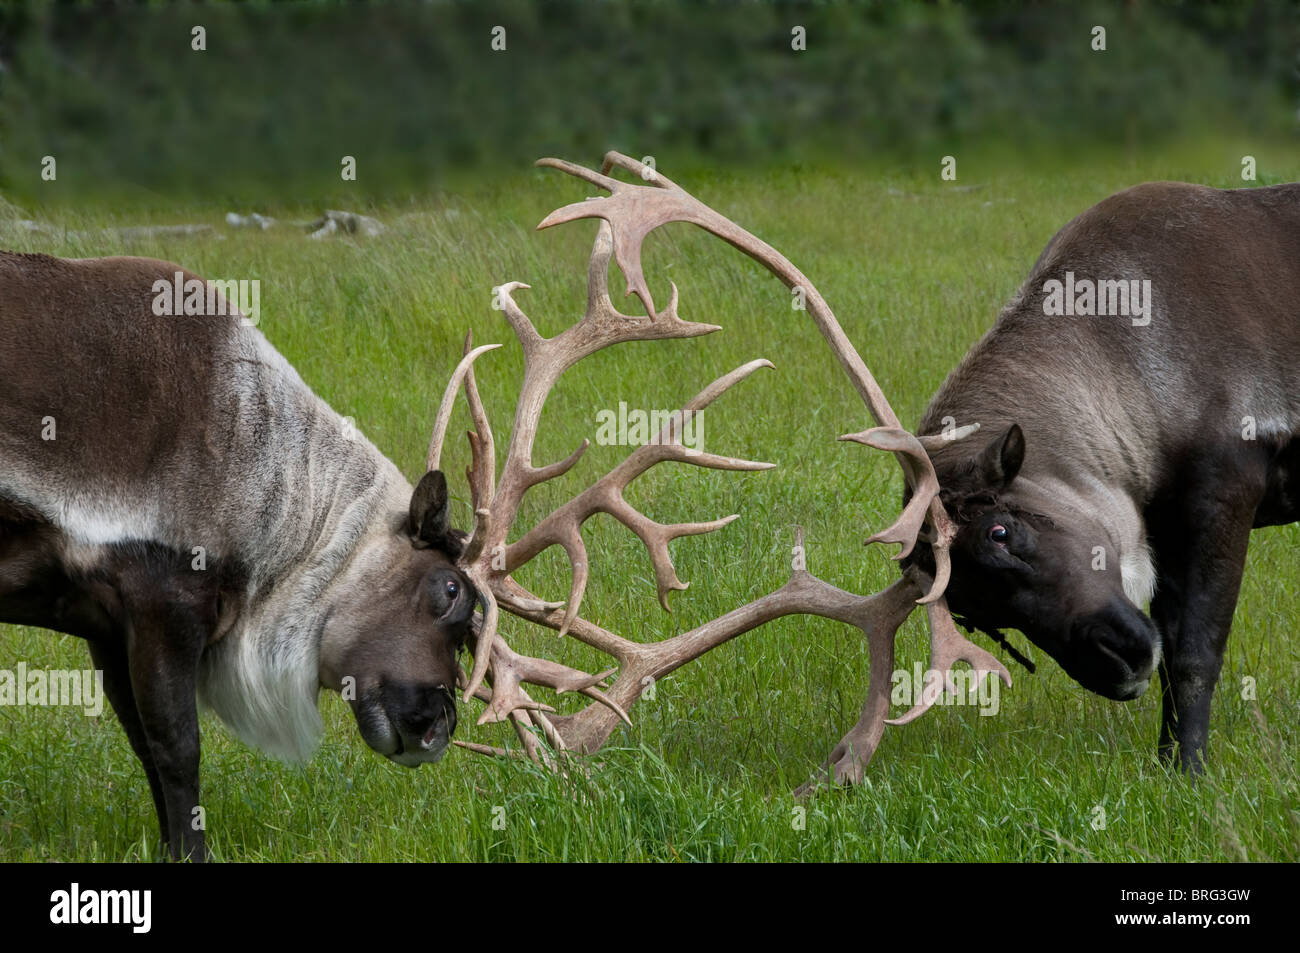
(628, 215)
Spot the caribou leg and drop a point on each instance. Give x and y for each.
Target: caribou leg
(169, 616)
(164, 670)
(1200, 538)
(111, 659)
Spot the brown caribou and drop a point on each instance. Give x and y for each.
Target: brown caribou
(1137, 405)
(173, 493)
(1140, 410)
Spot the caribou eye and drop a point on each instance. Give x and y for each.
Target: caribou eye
(445, 599)
(999, 534)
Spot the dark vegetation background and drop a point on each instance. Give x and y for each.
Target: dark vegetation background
(114, 91)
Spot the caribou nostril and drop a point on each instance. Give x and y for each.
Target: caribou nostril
(1111, 653)
(1129, 656)
(440, 717)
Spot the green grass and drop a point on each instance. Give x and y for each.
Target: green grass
(915, 272)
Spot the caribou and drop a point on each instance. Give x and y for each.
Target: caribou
(1137, 410)
(172, 492)
(1128, 452)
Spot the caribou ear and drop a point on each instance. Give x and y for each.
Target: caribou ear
(429, 525)
(1000, 461)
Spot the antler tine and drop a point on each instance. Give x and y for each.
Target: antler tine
(582, 172)
(918, 470)
(491, 751)
(510, 670)
(520, 602)
(936, 441)
(948, 647)
(601, 312)
(487, 631)
(483, 468)
(647, 173)
(522, 724)
(920, 477)
(448, 400)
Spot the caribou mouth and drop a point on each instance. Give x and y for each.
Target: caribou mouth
(427, 754)
(383, 731)
(1113, 653)
(1124, 681)
(392, 745)
(1132, 688)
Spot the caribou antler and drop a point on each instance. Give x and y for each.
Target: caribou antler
(489, 559)
(628, 215)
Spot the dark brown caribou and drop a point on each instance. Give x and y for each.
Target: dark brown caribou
(173, 493)
(1139, 403)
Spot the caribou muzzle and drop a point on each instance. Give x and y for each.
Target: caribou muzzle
(409, 724)
(1113, 652)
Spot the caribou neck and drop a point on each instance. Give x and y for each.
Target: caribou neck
(355, 515)
(262, 676)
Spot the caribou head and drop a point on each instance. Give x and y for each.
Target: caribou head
(396, 637)
(1038, 555)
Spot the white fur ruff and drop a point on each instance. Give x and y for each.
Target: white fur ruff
(266, 694)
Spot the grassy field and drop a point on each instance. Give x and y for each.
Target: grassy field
(916, 270)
